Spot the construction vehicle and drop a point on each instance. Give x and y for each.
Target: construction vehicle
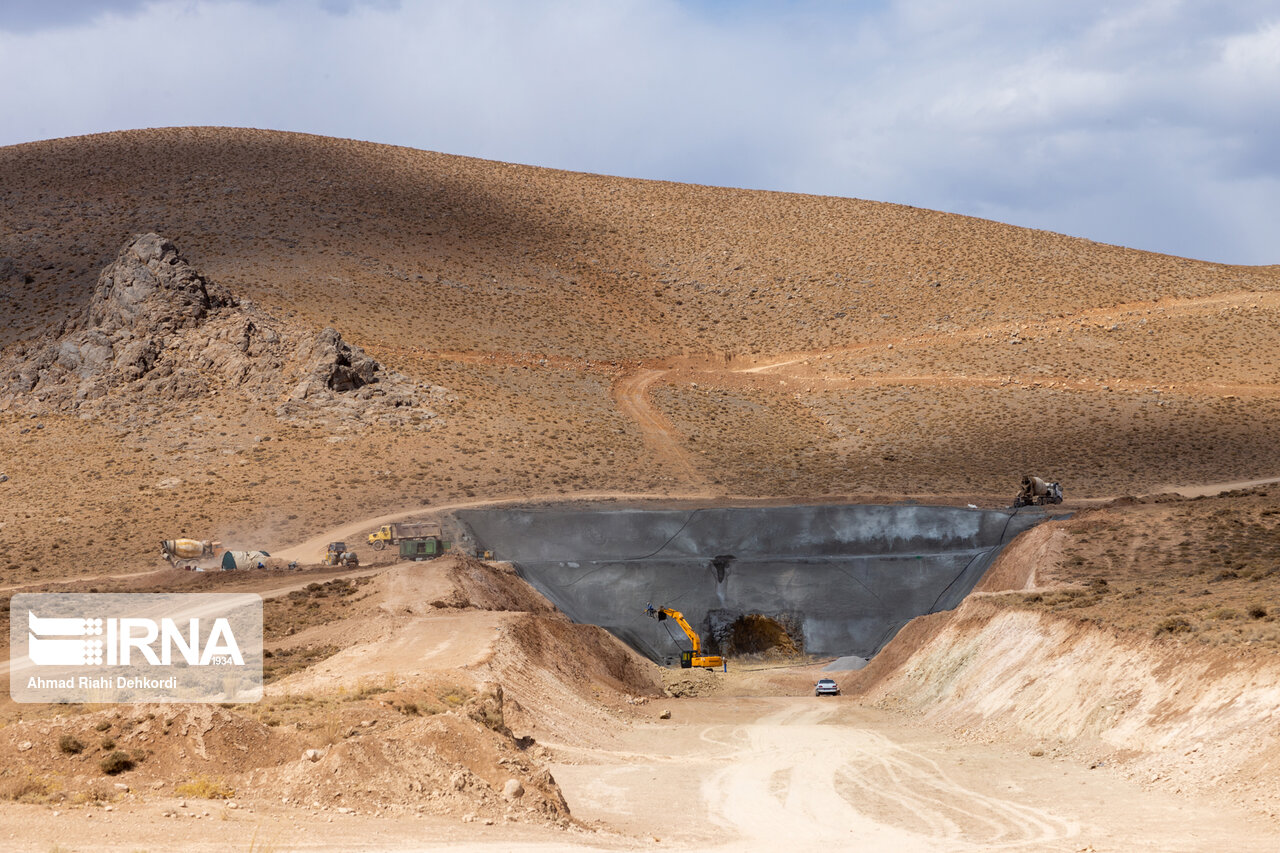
(338, 555)
(1037, 492)
(423, 548)
(187, 551)
(693, 657)
(391, 534)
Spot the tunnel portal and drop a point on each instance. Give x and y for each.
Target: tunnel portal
(842, 579)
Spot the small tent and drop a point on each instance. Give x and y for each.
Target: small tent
(242, 559)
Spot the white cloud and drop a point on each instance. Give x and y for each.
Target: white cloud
(1254, 55)
(1149, 124)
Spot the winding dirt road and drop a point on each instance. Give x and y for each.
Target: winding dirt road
(807, 774)
(631, 385)
(631, 393)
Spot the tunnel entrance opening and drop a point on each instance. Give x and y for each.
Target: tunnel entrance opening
(755, 634)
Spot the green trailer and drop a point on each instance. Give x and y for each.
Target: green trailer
(422, 548)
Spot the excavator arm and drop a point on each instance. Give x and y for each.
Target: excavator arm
(694, 656)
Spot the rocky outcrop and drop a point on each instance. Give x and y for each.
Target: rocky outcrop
(150, 288)
(334, 364)
(155, 326)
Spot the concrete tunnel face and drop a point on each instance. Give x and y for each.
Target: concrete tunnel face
(840, 579)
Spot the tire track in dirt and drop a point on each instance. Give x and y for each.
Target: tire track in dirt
(1066, 383)
(630, 392)
(1113, 313)
(1246, 299)
(798, 781)
(630, 387)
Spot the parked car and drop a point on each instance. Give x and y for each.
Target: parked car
(826, 687)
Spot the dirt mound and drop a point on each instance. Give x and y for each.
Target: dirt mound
(156, 329)
(449, 763)
(563, 677)
(159, 746)
(372, 753)
(1160, 711)
(457, 581)
(586, 656)
(486, 586)
(1037, 549)
(680, 683)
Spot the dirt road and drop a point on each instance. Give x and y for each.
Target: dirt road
(740, 774)
(309, 550)
(807, 774)
(631, 394)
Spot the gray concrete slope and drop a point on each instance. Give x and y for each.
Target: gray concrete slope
(848, 577)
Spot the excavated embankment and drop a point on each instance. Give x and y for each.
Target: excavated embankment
(1184, 717)
(842, 579)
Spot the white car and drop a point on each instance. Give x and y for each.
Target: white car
(826, 687)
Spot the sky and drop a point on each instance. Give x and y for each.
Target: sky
(1153, 124)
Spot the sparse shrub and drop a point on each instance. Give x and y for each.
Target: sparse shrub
(102, 726)
(27, 788)
(116, 762)
(328, 731)
(70, 744)
(108, 744)
(1173, 625)
(1257, 611)
(205, 788)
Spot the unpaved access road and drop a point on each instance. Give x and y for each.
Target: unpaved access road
(729, 774)
(807, 774)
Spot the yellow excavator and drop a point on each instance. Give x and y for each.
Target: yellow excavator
(694, 656)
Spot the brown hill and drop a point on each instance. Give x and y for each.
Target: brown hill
(393, 692)
(586, 333)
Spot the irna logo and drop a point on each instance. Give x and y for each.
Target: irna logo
(79, 641)
(135, 647)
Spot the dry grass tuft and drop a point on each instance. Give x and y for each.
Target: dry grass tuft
(205, 788)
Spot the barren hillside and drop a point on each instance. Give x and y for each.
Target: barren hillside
(577, 333)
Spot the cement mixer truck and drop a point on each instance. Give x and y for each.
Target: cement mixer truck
(1037, 492)
(183, 550)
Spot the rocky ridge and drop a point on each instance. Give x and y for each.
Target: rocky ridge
(157, 328)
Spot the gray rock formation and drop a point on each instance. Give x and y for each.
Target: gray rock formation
(155, 326)
(151, 288)
(334, 364)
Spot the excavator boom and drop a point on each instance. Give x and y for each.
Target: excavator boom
(694, 656)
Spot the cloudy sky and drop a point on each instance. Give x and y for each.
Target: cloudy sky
(1148, 124)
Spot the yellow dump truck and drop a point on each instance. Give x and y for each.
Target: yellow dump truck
(391, 534)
